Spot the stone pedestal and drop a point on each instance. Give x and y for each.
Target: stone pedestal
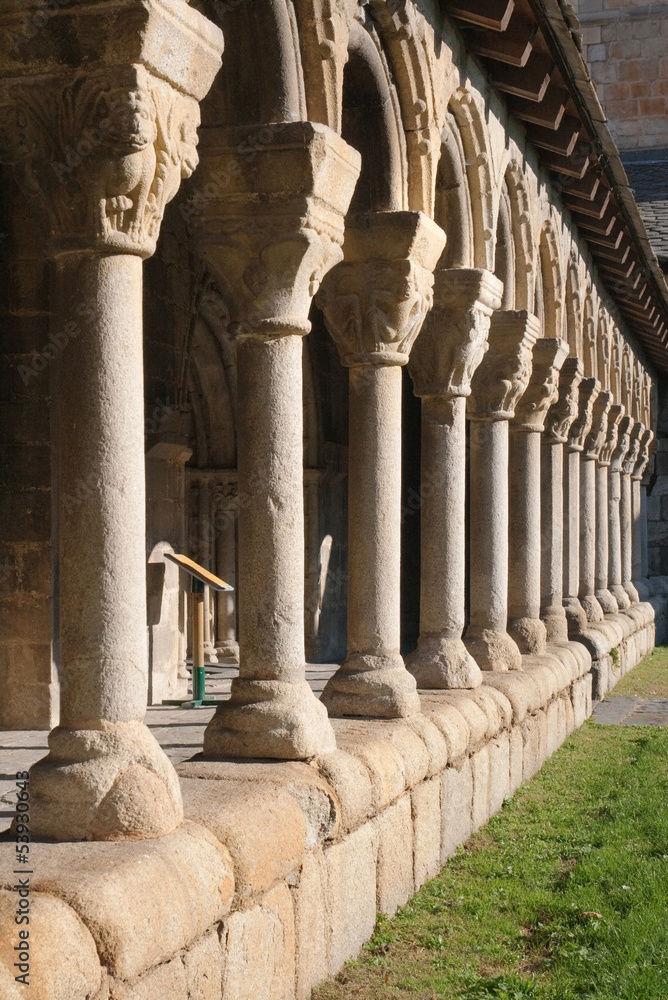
(576, 615)
(603, 596)
(594, 441)
(105, 776)
(614, 522)
(524, 492)
(558, 422)
(447, 352)
(374, 305)
(497, 385)
(271, 236)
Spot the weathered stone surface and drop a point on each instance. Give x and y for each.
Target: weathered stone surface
(449, 721)
(179, 886)
(203, 963)
(302, 781)
(385, 765)
(516, 758)
(476, 718)
(259, 950)
(456, 808)
(351, 894)
(499, 772)
(167, 982)
(55, 932)
(262, 826)
(408, 744)
(312, 924)
(394, 830)
(433, 739)
(351, 780)
(426, 808)
(480, 768)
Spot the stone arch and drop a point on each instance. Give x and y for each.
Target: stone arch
(452, 204)
(478, 160)
(504, 252)
(261, 79)
(552, 283)
(627, 379)
(616, 365)
(590, 355)
(370, 123)
(523, 236)
(604, 349)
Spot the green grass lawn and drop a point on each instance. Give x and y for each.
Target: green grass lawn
(648, 680)
(563, 895)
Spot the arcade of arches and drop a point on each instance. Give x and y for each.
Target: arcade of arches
(359, 314)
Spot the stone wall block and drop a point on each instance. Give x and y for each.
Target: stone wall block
(477, 719)
(312, 926)
(513, 686)
(499, 772)
(351, 894)
(456, 808)
(480, 766)
(384, 763)
(490, 706)
(55, 931)
(263, 828)
(166, 982)
(433, 739)
(426, 807)
(395, 883)
(552, 716)
(579, 697)
(503, 704)
(516, 758)
(351, 780)
(257, 958)
(450, 722)
(532, 747)
(179, 885)
(203, 963)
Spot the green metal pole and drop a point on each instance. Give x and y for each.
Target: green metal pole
(197, 591)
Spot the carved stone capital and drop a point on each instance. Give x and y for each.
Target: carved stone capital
(375, 302)
(615, 414)
(599, 426)
(224, 496)
(453, 338)
(549, 354)
(563, 412)
(587, 395)
(504, 372)
(630, 459)
(623, 443)
(271, 222)
(101, 144)
(644, 454)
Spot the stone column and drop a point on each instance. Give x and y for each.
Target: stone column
(496, 387)
(594, 441)
(626, 510)
(614, 525)
(225, 520)
(105, 776)
(270, 236)
(575, 613)
(603, 595)
(374, 305)
(447, 352)
(524, 494)
(640, 572)
(558, 422)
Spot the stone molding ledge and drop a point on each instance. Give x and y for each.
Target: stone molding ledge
(276, 876)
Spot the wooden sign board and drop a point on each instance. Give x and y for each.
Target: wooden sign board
(198, 571)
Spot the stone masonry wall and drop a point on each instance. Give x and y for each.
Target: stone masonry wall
(276, 876)
(626, 47)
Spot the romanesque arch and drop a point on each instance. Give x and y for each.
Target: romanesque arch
(477, 151)
(552, 284)
(452, 205)
(523, 236)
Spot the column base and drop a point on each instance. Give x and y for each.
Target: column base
(228, 651)
(375, 686)
(620, 595)
(272, 719)
(104, 784)
(576, 617)
(443, 663)
(591, 608)
(632, 592)
(608, 604)
(529, 634)
(556, 623)
(493, 650)
(210, 653)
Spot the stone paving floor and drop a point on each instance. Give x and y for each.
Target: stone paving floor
(179, 731)
(632, 712)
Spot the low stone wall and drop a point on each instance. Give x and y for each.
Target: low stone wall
(277, 875)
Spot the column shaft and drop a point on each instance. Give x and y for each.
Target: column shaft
(577, 619)
(552, 519)
(615, 545)
(524, 582)
(587, 585)
(603, 595)
(626, 535)
(272, 711)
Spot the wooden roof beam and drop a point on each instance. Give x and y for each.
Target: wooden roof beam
(512, 46)
(530, 82)
(561, 140)
(491, 14)
(548, 113)
(594, 209)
